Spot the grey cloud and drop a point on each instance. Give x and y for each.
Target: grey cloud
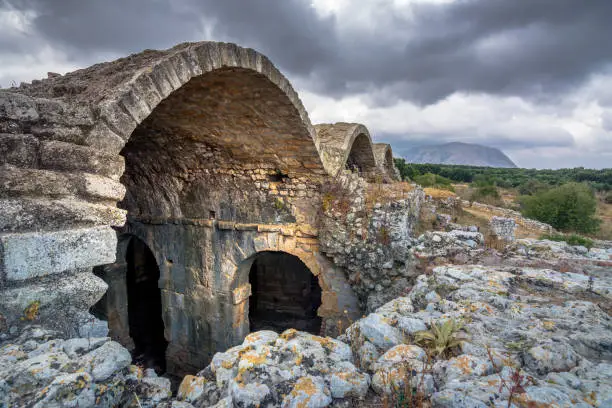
(86, 27)
(606, 120)
(540, 50)
(533, 48)
(533, 138)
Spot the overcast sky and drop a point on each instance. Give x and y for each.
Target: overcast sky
(532, 77)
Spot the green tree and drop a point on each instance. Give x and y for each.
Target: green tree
(570, 207)
(433, 180)
(532, 187)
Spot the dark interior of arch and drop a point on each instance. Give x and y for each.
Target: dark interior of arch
(219, 120)
(361, 156)
(146, 325)
(285, 294)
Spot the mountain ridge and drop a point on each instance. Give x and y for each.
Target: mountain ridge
(469, 154)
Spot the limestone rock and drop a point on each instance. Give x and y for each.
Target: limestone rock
(349, 384)
(106, 360)
(377, 330)
(308, 392)
(40, 370)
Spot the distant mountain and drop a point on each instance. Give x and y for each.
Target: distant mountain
(459, 153)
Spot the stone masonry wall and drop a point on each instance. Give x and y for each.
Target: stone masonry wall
(502, 227)
(204, 267)
(371, 244)
(507, 213)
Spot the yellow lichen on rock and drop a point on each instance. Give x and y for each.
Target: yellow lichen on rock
(31, 312)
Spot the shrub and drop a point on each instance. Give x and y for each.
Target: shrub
(487, 194)
(608, 197)
(336, 196)
(572, 239)
(532, 187)
(570, 207)
(433, 180)
(485, 191)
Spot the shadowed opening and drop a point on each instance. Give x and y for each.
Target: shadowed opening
(361, 156)
(285, 294)
(146, 326)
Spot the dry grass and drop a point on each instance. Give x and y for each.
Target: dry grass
(380, 193)
(604, 212)
(437, 193)
(481, 219)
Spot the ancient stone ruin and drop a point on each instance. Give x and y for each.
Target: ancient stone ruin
(176, 212)
(183, 189)
(502, 228)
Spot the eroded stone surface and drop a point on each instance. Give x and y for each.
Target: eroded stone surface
(39, 369)
(293, 369)
(547, 327)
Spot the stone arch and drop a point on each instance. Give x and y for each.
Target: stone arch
(283, 293)
(339, 304)
(132, 306)
(201, 134)
(66, 132)
(103, 105)
(269, 242)
(345, 145)
(384, 160)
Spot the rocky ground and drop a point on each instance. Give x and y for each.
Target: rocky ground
(466, 246)
(38, 369)
(536, 336)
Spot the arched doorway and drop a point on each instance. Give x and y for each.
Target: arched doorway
(361, 156)
(284, 294)
(146, 326)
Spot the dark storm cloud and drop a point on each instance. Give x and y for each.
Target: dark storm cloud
(532, 48)
(524, 47)
(85, 27)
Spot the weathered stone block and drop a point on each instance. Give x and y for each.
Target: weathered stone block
(66, 156)
(18, 107)
(38, 214)
(18, 150)
(102, 187)
(62, 300)
(35, 254)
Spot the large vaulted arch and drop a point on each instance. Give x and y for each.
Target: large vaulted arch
(346, 146)
(195, 150)
(384, 160)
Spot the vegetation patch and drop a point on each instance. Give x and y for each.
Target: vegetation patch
(434, 180)
(31, 312)
(443, 339)
(570, 207)
(572, 239)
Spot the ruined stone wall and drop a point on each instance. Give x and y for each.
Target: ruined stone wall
(205, 130)
(502, 227)
(204, 267)
(369, 238)
(515, 215)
